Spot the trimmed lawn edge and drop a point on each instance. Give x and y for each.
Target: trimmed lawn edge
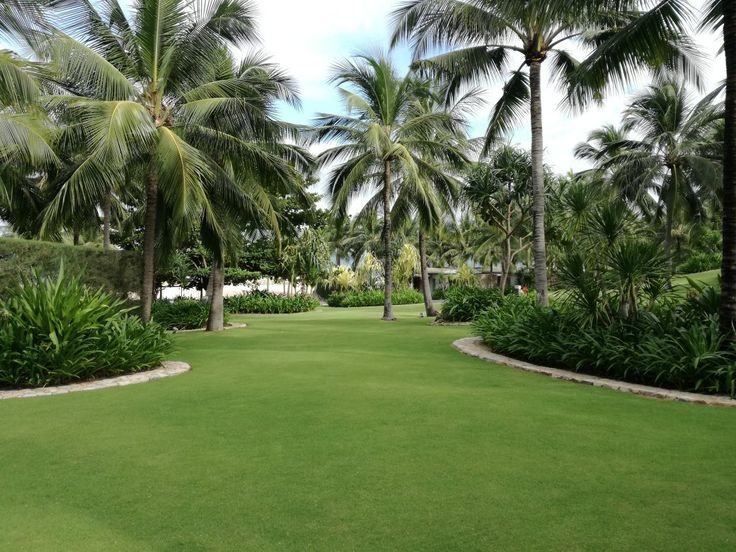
(166, 370)
(475, 347)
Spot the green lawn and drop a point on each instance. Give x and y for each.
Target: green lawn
(709, 277)
(335, 431)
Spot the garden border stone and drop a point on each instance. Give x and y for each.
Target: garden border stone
(167, 369)
(475, 347)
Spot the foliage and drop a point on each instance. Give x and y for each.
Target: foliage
(700, 262)
(465, 276)
(465, 303)
(374, 298)
(406, 265)
(676, 344)
(118, 272)
(341, 278)
(55, 330)
(182, 313)
(261, 302)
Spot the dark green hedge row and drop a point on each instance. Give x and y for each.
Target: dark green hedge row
(118, 272)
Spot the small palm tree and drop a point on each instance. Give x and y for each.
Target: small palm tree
(384, 144)
(483, 36)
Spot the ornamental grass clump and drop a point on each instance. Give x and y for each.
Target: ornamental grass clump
(54, 330)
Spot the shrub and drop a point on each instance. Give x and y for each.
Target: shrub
(260, 302)
(700, 262)
(463, 303)
(374, 298)
(55, 330)
(118, 272)
(181, 313)
(677, 345)
(439, 294)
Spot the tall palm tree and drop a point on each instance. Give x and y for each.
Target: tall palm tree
(384, 144)
(482, 36)
(148, 87)
(721, 15)
(667, 159)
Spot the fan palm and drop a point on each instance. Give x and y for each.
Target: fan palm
(154, 87)
(384, 144)
(668, 159)
(483, 35)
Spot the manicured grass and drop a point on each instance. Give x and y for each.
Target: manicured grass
(709, 277)
(332, 430)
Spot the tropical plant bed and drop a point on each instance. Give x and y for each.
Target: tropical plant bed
(166, 370)
(475, 347)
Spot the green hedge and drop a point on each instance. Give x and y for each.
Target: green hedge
(374, 298)
(182, 313)
(118, 272)
(261, 302)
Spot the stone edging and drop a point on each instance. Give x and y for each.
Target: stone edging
(238, 326)
(166, 370)
(439, 322)
(474, 346)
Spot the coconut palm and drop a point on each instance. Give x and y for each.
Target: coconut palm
(667, 160)
(384, 143)
(721, 15)
(483, 36)
(153, 87)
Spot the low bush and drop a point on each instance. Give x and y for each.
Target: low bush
(676, 345)
(464, 303)
(55, 330)
(439, 294)
(261, 302)
(700, 262)
(374, 298)
(181, 313)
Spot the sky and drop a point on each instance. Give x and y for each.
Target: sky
(307, 38)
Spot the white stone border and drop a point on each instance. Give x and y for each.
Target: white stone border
(166, 370)
(474, 346)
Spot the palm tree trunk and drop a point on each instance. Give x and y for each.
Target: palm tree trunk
(668, 223)
(728, 269)
(505, 265)
(426, 289)
(106, 216)
(75, 236)
(539, 244)
(149, 244)
(216, 319)
(388, 269)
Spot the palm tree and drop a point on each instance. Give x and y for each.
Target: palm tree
(721, 14)
(499, 190)
(482, 36)
(668, 158)
(384, 145)
(155, 89)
